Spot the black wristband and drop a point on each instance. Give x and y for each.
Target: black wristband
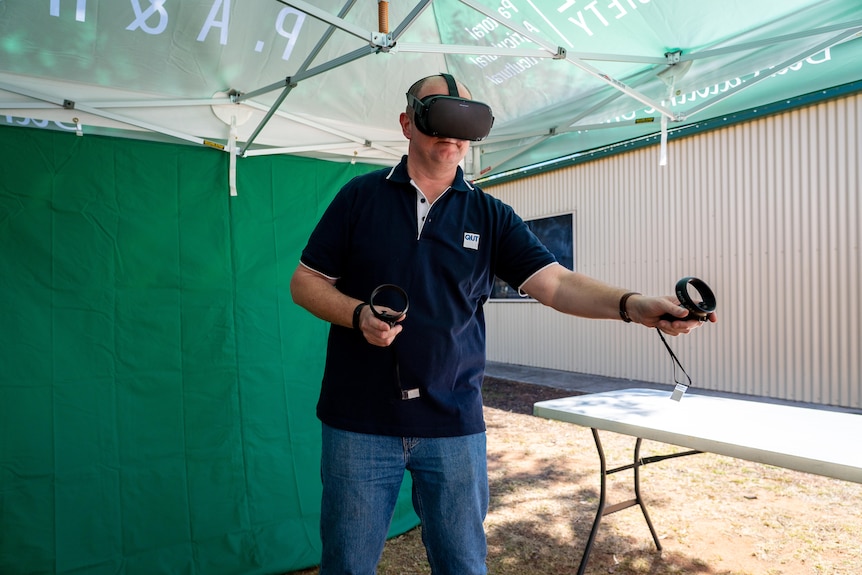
(623, 313)
(357, 311)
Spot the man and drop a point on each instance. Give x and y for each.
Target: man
(406, 394)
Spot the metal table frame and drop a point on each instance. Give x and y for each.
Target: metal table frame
(605, 509)
(812, 440)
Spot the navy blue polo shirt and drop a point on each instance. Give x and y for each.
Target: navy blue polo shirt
(368, 237)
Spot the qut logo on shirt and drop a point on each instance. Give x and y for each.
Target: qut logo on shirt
(471, 240)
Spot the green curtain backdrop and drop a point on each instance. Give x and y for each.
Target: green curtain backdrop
(157, 383)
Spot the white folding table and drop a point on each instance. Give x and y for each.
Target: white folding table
(816, 441)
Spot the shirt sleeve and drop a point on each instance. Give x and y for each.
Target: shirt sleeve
(520, 254)
(328, 243)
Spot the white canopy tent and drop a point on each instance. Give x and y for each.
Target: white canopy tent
(327, 79)
(158, 386)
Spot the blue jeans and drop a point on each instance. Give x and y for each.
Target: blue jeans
(362, 475)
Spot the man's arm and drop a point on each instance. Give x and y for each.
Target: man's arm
(318, 294)
(577, 294)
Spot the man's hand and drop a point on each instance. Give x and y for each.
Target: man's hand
(648, 311)
(376, 331)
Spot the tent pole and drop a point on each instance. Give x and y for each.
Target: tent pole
(461, 49)
(523, 149)
(769, 42)
(383, 16)
(572, 127)
(300, 74)
(502, 139)
(409, 19)
(303, 72)
(292, 82)
(785, 64)
(325, 16)
(323, 128)
(102, 113)
(268, 115)
(576, 62)
(288, 83)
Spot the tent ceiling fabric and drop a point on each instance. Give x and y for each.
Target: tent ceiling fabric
(321, 79)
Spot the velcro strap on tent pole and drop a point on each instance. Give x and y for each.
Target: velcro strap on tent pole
(663, 155)
(663, 147)
(231, 174)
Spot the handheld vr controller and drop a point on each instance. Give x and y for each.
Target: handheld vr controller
(394, 298)
(698, 307)
(391, 296)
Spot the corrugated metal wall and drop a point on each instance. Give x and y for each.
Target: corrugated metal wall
(767, 213)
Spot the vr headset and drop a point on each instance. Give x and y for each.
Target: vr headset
(451, 116)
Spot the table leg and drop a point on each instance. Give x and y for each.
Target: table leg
(605, 509)
(637, 476)
(599, 513)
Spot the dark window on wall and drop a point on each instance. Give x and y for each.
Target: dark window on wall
(558, 235)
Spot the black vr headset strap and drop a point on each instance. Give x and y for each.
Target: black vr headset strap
(450, 81)
(419, 106)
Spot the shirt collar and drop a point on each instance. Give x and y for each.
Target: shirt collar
(399, 174)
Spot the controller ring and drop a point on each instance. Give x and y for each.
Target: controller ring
(390, 318)
(697, 310)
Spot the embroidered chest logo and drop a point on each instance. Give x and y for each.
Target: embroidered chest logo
(471, 241)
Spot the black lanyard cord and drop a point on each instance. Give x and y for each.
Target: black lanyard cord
(675, 360)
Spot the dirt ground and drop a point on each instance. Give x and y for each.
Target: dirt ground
(714, 515)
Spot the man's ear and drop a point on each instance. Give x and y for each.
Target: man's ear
(406, 125)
